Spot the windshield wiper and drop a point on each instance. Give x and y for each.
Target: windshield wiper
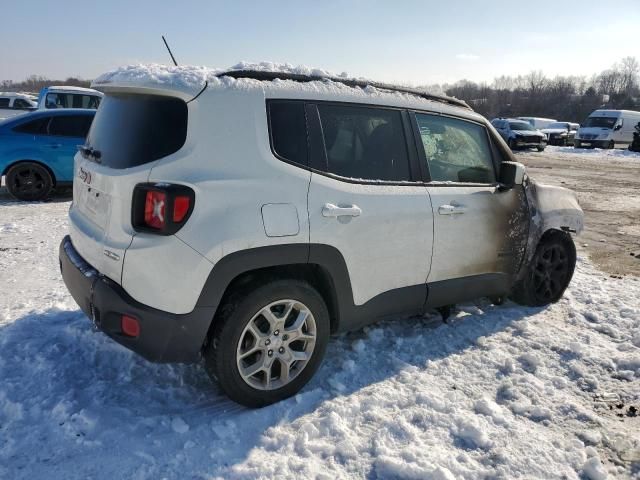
(90, 153)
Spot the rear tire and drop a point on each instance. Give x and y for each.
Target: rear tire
(549, 273)
(254, 332)
(29, 181)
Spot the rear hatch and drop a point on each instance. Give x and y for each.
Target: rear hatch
(130, 131)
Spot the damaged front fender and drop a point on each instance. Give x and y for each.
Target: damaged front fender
(554, 208)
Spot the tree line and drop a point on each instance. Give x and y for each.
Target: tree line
(35, 83)
(568, 98)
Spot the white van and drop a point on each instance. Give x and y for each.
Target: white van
(538, 122)
(607, 129)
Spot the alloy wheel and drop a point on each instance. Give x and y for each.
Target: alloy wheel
(276, 345)
(550, 272)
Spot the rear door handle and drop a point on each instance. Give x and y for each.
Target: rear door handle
(331, 210)
(451, 209)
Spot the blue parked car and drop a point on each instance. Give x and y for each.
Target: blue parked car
(37, 150)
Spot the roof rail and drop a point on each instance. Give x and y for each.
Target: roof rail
(297, 77)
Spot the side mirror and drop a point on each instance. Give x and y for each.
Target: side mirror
(617, 127)
(511, 174)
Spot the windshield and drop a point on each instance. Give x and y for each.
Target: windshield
(603, 122)
(131, 130)
(520, 126)
(559, 125)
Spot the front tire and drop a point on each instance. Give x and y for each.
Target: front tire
(29, 181)
(549, 273)
(540, 149)
(267, 344)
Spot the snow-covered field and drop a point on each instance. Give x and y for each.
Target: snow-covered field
(500, 392)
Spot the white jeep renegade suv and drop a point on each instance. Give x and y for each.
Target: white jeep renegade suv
(243, 216)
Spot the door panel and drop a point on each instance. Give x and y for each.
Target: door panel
(477, 230)
(385, 234)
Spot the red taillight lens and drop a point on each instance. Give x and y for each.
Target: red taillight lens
(154, 209)
(181, 206)
(161, 208)
(130, 326)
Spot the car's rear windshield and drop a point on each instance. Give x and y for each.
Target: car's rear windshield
(131, 129)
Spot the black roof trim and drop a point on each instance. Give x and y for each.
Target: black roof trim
(269, 76)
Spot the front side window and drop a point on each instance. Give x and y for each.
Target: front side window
(70, 126)
(289, 131)
(364, 142)
(22, 104)
(456, 150)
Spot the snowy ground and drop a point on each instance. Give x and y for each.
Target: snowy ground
(501, 392)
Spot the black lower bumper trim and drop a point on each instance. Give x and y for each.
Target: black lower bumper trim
(164, 337)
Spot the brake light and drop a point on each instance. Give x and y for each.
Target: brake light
(154, 209)
(161, 208)
(180, 207)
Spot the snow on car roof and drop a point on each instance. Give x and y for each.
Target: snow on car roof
(64, 88)
(192, 79)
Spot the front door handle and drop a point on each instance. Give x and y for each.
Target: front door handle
(451, 209)
(331, 210)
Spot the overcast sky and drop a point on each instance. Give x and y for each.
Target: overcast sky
(416, 42)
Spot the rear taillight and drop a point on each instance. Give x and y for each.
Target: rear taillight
(161, 208)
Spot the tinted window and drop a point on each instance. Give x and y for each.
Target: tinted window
(289, 131)
(364, 142)
(71, 100)
(34, 127)
(20, 103)
(4, 102)
(70, 126)
(130, 129)
(456, 150)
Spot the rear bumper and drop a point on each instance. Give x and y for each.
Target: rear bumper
(164, 337)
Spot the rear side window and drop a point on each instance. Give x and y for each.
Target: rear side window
(130, 129)
(70, 125)
(34, 127)
(364, 142)
(456, 150)
(289, 131)
(71, 100)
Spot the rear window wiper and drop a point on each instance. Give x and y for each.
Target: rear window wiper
(90, 153)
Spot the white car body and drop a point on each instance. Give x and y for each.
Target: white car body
(610, 129)
(538, 122)
(12, 104)
(391, 239)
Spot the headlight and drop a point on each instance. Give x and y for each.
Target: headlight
(563, 134)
